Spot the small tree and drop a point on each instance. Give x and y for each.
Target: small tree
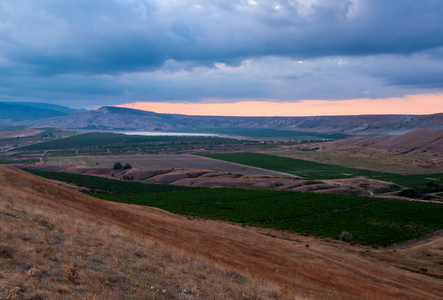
(118, 166)
(127, 166)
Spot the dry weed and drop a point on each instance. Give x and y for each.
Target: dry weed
(31, 272)
(72, 273)
(13, 293)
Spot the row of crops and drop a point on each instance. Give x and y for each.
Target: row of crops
(371, 221)
(102, 140)
(314, 170)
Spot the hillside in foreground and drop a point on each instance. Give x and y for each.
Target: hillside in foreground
(58, 243)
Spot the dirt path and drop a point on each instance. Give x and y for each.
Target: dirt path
(420, 241)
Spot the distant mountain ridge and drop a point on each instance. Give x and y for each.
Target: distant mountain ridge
(16, 113)
(48, 106)
(115, 118)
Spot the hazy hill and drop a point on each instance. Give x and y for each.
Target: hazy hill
(58, 243)
(130, 119)
(424, 142)
(63, 109)
(15, 113)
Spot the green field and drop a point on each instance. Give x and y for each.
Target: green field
(102, 185)
(13, 160)
(60, 152)
(372, 221)
(321, 171)
(122, 141)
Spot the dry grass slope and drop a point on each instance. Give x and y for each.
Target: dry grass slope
(424, 142)
(58, 243)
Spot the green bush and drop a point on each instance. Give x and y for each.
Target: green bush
(345, 236)
(118, 166)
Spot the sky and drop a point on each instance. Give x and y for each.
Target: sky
(218, 57)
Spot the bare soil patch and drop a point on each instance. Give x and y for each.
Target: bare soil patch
(364, 158)
(19, 133)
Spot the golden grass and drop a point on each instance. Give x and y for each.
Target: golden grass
(54, 252)
(63, 244)
(366, 158)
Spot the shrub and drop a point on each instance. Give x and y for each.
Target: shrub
(127, 167)
(6, 251)
(118, 166)
(345, 237)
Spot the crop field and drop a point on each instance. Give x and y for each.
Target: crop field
(60, 152)
(100, 185)
(14, 160)
(315, 170)
(121, 141)
(371, 221)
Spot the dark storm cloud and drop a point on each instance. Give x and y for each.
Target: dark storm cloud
(150, 50)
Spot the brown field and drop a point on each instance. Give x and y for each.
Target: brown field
(58, 243)
(161, 161)
(19, 133)
(423, 142)
(365, 158)
(417, 152)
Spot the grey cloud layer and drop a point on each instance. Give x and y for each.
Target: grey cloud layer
(168, 50)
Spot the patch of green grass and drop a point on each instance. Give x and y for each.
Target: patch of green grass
(61, 152)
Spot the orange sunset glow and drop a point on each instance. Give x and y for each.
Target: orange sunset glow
(414, 104)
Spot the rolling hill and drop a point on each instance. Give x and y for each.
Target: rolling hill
(58, 243)
(424, 142)
(114, 118)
